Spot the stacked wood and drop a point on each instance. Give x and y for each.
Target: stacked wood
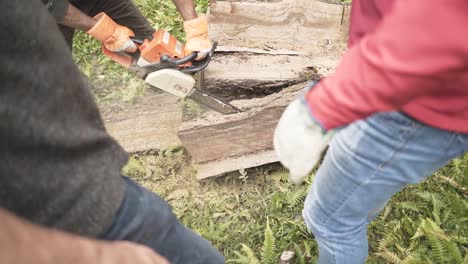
(267, 53)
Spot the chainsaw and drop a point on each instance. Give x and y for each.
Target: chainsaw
(161, 62)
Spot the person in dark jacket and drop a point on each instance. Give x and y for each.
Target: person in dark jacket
(59, 168)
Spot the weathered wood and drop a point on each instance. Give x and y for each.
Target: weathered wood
(241, 75)
(267, 46)
(302, 25)
(150, 123)
(267, 51)
(221, 166)
(223, 143)
(232, 138)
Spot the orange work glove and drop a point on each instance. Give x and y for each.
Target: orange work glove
(196, 31)
(113, 36)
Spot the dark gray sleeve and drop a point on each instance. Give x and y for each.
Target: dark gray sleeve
(58, 165)
(57, 8)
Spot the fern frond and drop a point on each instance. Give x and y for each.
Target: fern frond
(460, 239)
(389, 256)
(281, 174)
(242, 259)
(438, 248)
(411, 260)
(250, 254)
(446, 215)
(425, 195)
(388, 209)
(388, 240)
(269, 248)
(436, 205)
(300, 259)
(409, 205)
(296, 196)
(453, 252)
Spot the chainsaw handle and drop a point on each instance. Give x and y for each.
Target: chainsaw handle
(203, 64)
(138, 41)
(191, 57)
(125, 59)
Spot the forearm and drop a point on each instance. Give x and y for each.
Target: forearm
(74, 18)
(23, 243)
(186, 9)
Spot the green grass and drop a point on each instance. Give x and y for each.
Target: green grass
(253, 215)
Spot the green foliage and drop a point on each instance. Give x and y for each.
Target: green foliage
(269, 247)
(428, 221)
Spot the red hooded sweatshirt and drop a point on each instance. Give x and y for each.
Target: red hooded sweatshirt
(410, 56)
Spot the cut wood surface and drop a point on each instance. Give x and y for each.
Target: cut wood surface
(150, 123)
(302, 25)
(241, 75)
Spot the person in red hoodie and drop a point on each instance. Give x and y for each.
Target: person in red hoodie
(395, 110)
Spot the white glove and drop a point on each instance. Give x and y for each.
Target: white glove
(299, 140)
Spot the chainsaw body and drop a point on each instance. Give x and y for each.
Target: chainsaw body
(161, 61)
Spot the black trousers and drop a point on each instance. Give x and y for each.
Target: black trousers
(123, 12)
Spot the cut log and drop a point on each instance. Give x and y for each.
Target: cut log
(223, 143)
(316, 27)
(267, 52)
(149, 124)
(243, 75)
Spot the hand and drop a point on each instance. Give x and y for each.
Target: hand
(196, 31)
(127, 252)
(113, 36)
(299, 139)
(25, 242)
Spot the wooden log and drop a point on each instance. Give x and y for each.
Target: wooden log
(223, 143)
(314, 26)
(267, 51)
(149, 124)
(243, 75)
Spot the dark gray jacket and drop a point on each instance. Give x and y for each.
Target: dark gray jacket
(58, 165)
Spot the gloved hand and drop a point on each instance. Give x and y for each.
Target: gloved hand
(196, 31)
(113, 36)
(299, 139)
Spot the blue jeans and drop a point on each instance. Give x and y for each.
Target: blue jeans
(147, 219)
(366, 163)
